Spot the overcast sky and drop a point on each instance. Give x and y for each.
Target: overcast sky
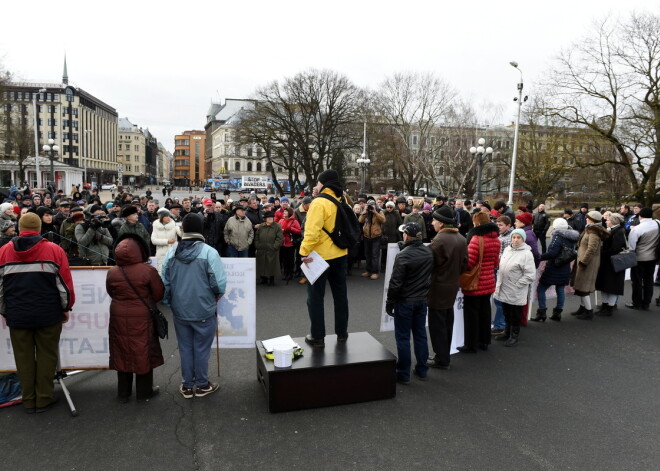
(161, 63)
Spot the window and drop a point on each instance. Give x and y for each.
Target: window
(249, 151)
(128, 158)
(237, 150)
(258, 166)
(237, 166)
(52, 122)
(75, 136)
(259, 150)
(249, 166)
(136, 147)
(119, 147)
(52, 135)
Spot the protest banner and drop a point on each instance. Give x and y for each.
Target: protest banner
(84, 340)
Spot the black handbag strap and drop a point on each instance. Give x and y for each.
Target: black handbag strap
(134, 290)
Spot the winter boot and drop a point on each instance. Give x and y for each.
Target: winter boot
(505, 335)
(540, 315)
(579, 311)
(515, 333)
(605, 310)
(556, 314)
(587, 315)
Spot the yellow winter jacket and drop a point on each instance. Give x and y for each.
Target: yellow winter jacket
(321, 214)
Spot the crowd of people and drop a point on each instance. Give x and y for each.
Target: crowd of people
(445, 244)
(497, 252)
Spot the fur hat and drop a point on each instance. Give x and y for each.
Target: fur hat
(595, 216)
(5, 206)
(128, 210)
(193, 223)
(29, 222)
(525, 218)
(390, 204)
(41, 210)
(480, 218)
(445, 215)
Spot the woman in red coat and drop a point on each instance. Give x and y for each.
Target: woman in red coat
(476, 304)
(290, 229)
(134, 345)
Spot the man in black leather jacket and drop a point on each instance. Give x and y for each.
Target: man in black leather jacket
(406, 301)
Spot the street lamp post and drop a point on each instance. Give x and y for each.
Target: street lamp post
(51, 149)
(515, 134)
(85, 156)
(36, 134)
(363, 163)
(479, 152)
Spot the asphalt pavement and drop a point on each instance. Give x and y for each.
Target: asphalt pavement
(577, 395)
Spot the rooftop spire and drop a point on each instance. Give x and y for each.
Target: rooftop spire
(65, 74)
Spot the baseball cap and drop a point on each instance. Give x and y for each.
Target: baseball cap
(207, 201)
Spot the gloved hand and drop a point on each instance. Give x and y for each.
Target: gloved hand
(389, 309)
(95, 223)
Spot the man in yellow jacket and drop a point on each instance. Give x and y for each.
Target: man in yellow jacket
(321, 215)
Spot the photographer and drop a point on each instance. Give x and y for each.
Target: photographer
(94, 237)
(372, 218)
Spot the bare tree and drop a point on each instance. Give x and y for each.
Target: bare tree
(306, 124)
(609, 83)
(413, 105)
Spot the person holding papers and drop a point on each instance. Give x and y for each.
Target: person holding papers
(321, 215)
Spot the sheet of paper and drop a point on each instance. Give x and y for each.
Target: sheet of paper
(315, 268)
(284, 340)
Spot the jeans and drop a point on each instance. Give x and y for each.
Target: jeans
(411, 317)
(195, 339)
(233, 253)
(561, 295)
(641, 278)
(336, 276)
(441, 330)
(499, 322)
(372, 254)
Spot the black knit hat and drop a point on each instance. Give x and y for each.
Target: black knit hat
(328, 176)
(444, 214)
(193, 223)
(41, 210)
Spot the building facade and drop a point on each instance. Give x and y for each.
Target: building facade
(83, 126)
(190, 168)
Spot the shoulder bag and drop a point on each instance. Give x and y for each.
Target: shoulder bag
(159, 319)
(469, 280)
(624, 259)
(566, 256)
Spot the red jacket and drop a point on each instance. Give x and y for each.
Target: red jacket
(290, 226)
(35, 282)
(491, 258)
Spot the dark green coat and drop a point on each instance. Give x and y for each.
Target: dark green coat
(267, 241)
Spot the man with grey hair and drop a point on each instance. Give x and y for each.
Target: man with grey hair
(643, 240)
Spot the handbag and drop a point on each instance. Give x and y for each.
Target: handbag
(159, 319)
(566, 256)
(624, 259)
(469, 280)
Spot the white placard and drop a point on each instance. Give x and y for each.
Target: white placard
(237, 309)
(387, 322)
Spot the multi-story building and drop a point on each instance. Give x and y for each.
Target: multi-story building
(131, 153)
(83, 126)
(189, 163)
(164, 163)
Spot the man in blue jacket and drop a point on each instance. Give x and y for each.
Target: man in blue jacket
(195, 280)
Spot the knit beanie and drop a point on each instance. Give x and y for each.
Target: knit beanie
(560, 223)
(163, 212)
(445, 215)
(525, 218)
(29, 222)
(595, 216)
(521, 233)
(193, 223)
(328, 176)
(41, 210)
(5, 224)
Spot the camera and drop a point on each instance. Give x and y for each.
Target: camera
(98, 220)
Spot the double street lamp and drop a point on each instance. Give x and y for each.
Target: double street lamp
(51, 149)
(519, 99)
(363, 163)
(480, 152)
(36, 134)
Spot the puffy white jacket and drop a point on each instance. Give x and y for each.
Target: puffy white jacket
(159, 237)
(516, 272)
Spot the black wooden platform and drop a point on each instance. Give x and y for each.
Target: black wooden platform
(359, 370)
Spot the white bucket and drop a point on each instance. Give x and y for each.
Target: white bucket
(282, 356)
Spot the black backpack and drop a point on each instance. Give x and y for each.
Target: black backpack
(346, 234)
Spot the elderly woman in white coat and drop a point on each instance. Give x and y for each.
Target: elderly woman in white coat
(165, 232)
(514, 276)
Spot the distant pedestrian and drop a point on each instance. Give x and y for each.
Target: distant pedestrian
(643, 240)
